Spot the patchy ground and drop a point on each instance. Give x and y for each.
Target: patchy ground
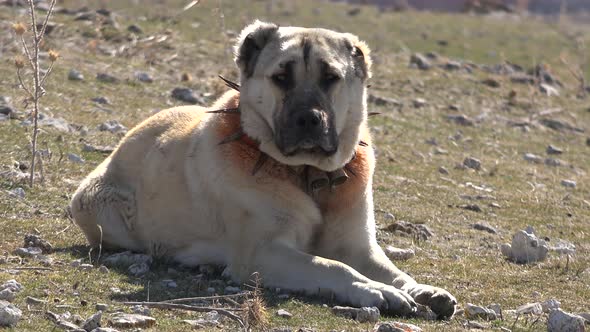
(464, 140)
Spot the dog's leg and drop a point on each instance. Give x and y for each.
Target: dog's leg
(288, 268)
(351, 239)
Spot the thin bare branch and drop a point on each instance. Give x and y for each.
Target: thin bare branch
(22, 84)
(42, 33)
(206, 298)
(33, 20)
(47, 73)
(163, 305)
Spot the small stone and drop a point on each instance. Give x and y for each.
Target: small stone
(398, 254)
(472, 163)
(552, 149)
(389, 217)
(470, 207)
(419, 102)
(210, 290)
(420, 61)
(361, 315)
(92, 322)
(491, 82)
(13, 285)
(443, 170)
(123, 320)
(138, 269)
(561, 321)
(85, 267)
(525, 248)
(454, 107)
(169, 283)
(530, 308)
(101, 100)
(7, 295)
(440, 151)
(9, 314)
(76, 262)
(101, 306)
(232, 290)
(17, 192)
(383, 101)
(28, 252)
(475, 311)
(75, 158)
(420, 231)
(484, 226)
(496, 308)
(112, 126)
(284, 313)
(396, 327)
(550, 305)
(33, 240)
(533, 158)
(186, 95)
(563, 247)
(475, 325)
(104, 329)
(568, 183)
(141, 310)
(106, 78)
(461, 119)
(74, 75)
(553, 162)
(548, 90)
(452, 65)
(144, 77)
(135, 29)
(103, 269)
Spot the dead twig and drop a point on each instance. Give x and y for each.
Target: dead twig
(31, 268)
(163, 305)
(208, 298)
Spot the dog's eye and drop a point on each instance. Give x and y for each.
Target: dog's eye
(331, 78)
(280, 79)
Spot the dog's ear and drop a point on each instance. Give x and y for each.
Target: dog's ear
(250, 43)
(361, 56)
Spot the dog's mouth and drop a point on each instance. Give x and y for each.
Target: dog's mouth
(308, 146)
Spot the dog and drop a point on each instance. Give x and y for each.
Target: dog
(275, 178)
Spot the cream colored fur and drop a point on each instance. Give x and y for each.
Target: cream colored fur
(169, 186)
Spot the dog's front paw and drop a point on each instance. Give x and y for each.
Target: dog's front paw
(387, 298)
(439, 300)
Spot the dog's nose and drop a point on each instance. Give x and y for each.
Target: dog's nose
(308, 120)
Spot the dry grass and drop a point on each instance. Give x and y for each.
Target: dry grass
(407, 183)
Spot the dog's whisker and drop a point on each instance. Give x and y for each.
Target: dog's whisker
(262, 158)
(230, 84)
(233, 137)
(363, 143)
(235, 110)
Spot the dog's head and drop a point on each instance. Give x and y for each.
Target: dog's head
(302, 93)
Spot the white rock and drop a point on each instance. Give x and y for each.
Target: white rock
(284, 313)
(419, 102)
(9, 314)
(561, 321)
(28, 252)
(141, 310)
(13, 285)
(398, 254)
(76, 262)
(568, 183)
(550, 305)
(548, 90)
(112, 126)
(475, 311)
(526, 247)
(7, 295)
(101, 306)
(396, 327)
(530, 309)
(17, 192)
(563, 247)
(92, 322)
(123, 320)
(85, 267)
(533, 158)
(144, 77)
(75, 158)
